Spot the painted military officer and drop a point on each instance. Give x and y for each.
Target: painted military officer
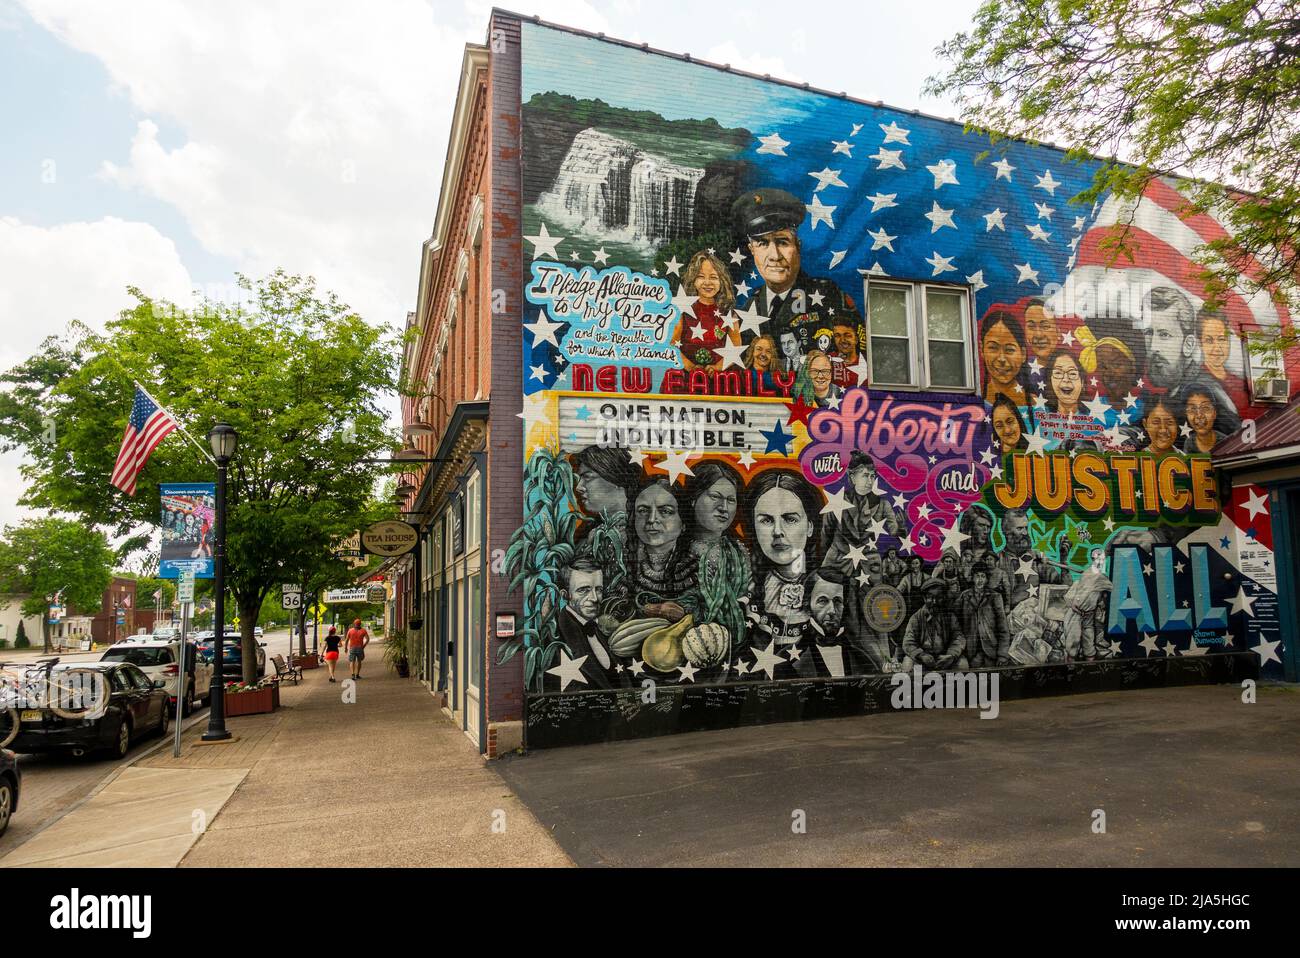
(789, 297)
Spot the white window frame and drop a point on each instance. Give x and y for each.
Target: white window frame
(918, 333)
(472, 516)
(1257, 366)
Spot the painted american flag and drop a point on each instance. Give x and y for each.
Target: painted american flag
(149, 425)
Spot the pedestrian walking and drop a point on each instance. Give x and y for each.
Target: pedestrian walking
(332, 641)
(358, 639)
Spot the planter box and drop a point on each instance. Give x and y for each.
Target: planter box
(253, 703)
(309, 661)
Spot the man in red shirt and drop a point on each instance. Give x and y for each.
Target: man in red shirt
(358, 638)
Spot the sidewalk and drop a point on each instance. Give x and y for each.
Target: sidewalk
(386, 781)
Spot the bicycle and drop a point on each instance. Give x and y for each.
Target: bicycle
(34, 687)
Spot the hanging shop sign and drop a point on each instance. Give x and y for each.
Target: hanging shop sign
(389, 537)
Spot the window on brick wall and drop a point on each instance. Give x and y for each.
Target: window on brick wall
(919, 335)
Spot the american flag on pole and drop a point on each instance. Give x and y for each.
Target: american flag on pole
(148, 426)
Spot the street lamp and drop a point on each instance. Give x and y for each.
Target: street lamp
(223, 439)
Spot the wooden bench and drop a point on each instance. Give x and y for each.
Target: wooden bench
(283, 671)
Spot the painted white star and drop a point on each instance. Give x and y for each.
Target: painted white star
(765, 660)
(747, 459)
(538, 373)
(688, 672)
(1044, 211)
(569, 670)
(737, 257)
(996, 218)
(544, 242)
(636, 456)
(731, 354)
(1046, 182)
(684, 301)
(924, 511)
(888, 158)
(675, 465)
(837, 257)
(881, 240)
(574, 256)
(1184, 430)
(843, 146)
(939, 217)
(817, 297)
(821, 213)
(988, 456)
(880, 201)
(1026, 568)
(953, 538)
(856, 555)
(899, 502)
(876, 528)
(1179, 567)
(637, 666)
(1027, 274)
(1037, 443)
(600, 256)
(836, 503)
(876, 270)
(1256, 504)
(794, 653)
(1096, 407)
(751, 320)
(697, 331)
(1079, 222)
(1036, 232)
(941, 264)
(832, 402)
(1040, 401)
(1150, 642)
(995, 472)
(895, 133)
(1241, 603)
(859, 369)
(857, 128)
(976, 279)
(1130, 400)
(945, 171)
(543, 330)
(673, 267)
(827, 177)
(906, 544)
(742, 289)
(1067, 338)
(534, 409)
(1140, 383)
(1267, 652)
(1148, 569)
(1004, 170)
(773, 144)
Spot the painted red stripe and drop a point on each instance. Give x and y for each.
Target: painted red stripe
(125, 456)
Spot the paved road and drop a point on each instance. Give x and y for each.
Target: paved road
(1186, 777)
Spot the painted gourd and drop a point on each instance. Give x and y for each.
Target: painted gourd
(706, 645)
(662, 650)
(628, 638)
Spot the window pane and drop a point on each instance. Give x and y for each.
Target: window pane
(947, 364)
(888, 311)
(475, 634)
(943, 314)
(890, 361)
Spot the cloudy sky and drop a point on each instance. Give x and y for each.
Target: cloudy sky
(168, 145)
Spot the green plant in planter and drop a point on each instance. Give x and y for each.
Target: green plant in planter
(397, 651)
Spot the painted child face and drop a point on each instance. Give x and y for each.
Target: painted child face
(819, 371)
(762, 354)
(1067, 382)
(981, 580)
(707, 282)
(776, 255)
(1002, 355)
(1201, 414)
(715, 509)
(1214, 343)
(824, 342)
(1041, 331)
(827, 604)
(846, 342)
(1115, 371)
(781, 526)
(1007, 427)
(657, 521)
(1162, 428)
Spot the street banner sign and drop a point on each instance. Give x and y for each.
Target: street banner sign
(344, 595)
(389, 538)
(188, 517)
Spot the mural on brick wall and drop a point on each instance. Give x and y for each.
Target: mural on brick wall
(816, 389)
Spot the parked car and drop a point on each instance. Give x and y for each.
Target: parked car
(233, 660)
(136, 705)
(11, 783)
(162, 660)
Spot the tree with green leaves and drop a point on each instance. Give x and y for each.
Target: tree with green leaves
(1206, 88)
(40, 558)
(298, 374)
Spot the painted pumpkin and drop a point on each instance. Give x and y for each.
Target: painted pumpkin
(662, 649)
(706, 645)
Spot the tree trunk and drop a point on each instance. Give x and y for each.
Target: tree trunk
(45, 629)
(248, 639)
(302, 628)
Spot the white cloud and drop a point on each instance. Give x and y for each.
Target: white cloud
(751, 62)
(50, 276)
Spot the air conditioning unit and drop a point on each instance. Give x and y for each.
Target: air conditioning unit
(1276, 389)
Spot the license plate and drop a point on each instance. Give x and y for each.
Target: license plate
(30, 715)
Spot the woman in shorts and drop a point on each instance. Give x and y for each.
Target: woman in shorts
(332, 649)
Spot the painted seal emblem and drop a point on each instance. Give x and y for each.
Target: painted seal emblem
(885, 608)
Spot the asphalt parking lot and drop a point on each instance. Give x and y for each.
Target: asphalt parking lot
(1186, 776)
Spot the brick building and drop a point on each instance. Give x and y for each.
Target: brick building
(780, 393)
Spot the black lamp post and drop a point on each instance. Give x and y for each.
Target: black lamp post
(223, 439)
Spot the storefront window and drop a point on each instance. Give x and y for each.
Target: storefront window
(475, 634)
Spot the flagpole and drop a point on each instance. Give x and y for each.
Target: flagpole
(172, 416)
